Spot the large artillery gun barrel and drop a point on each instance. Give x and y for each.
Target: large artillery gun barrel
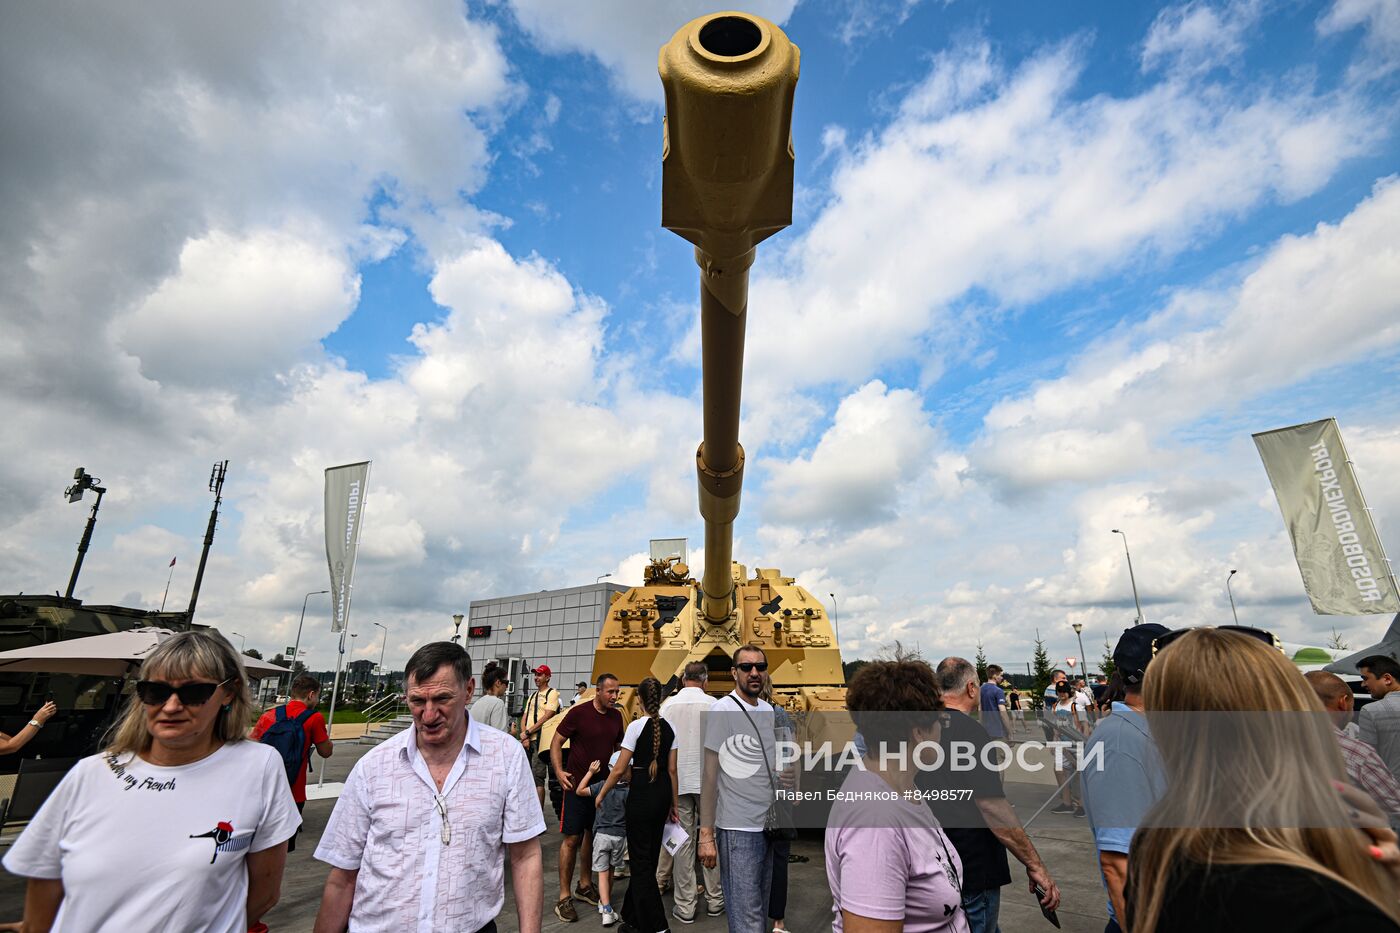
(727, 175)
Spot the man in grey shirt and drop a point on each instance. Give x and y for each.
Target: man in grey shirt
(1379, 722)
(737, 789)
(489, 709)
(1118, 795)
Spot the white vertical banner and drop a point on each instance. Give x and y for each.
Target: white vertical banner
(1343, 563)
(345, 509)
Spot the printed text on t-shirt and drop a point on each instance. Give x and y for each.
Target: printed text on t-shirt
(130, 780)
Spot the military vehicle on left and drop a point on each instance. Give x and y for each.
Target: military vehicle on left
(86, 703)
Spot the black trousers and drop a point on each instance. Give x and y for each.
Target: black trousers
(777, 893)
(292, 842)
(648, 805)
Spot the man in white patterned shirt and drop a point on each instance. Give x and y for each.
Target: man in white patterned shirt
(1363, 765)
(421, 832)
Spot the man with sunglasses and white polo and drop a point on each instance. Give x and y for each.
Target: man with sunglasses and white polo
(426, 822)
(738, 788)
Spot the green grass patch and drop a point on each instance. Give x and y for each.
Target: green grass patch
(343, 716)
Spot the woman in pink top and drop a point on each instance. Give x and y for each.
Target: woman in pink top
(889, 865)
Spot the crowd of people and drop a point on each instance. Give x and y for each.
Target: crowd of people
(1223, 789)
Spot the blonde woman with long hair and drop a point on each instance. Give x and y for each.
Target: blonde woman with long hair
(1256, 829)
(179, 823)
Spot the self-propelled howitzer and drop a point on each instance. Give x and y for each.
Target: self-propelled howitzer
(727, 182)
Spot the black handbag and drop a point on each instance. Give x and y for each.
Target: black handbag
(778, 823)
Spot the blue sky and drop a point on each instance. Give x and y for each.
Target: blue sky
(1050, 266)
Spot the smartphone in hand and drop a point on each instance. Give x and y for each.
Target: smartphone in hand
(1048, 914)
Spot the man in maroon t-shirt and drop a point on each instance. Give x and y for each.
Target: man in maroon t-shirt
(594, 731)
(306, 694)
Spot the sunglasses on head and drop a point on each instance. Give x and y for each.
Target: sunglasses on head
(156, 692)
(1268, 638)
(747, 666)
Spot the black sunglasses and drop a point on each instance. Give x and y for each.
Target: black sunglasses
(1268, 638)
(747, 666)
(156, 692)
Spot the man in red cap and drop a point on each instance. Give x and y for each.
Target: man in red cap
(541, 705)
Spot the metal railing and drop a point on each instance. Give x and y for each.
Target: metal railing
(385, 709)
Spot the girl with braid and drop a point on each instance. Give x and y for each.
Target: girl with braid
(648, 757)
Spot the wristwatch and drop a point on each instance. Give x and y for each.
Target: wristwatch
(36, 724)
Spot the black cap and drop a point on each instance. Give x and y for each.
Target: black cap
(1134, 651)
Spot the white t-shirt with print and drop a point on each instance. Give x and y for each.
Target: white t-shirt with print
(141, 847)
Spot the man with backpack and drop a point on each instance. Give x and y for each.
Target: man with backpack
(292, 730)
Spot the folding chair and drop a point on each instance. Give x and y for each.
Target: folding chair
(36, 780)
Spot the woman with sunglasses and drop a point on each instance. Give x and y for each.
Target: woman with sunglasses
(178, 824)
(1256, 830)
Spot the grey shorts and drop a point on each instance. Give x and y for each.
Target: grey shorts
(608, 852)
(539, 767)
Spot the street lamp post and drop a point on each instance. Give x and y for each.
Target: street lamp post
(1228, 580)
(602, 577)
(836, 619)
(1131, 577)
(384, 645)
(457, 627)
(242, 642)
(296, 646)
(1079, 627)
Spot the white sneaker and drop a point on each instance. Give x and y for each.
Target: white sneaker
(609, 916)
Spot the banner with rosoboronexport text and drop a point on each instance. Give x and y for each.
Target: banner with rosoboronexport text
(1339, 553)
(345, 509)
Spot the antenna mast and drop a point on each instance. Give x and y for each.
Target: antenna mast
(216, 485)
(83, 480)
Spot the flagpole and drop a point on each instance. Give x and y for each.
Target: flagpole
(167, 583)
(349, 599)
(335, 689)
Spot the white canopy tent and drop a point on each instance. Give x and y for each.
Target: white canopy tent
(116, 654)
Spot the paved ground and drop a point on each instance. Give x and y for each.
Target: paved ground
(1063, 841)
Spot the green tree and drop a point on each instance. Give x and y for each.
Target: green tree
(981, 663)
(1106, 663)
(1040, 670)
(254, 653)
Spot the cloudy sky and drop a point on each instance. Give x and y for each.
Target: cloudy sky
(1050, 266)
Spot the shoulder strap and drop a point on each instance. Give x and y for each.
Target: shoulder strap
(281, 713)
(763, 749)
(304, 715)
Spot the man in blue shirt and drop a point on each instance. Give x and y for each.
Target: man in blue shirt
(1119, 793)
(992, 701)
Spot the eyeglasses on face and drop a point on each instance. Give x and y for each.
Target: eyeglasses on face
(1268, 638)
(156, 692)
(747, 666)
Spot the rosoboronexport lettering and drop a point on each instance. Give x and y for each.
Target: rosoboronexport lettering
(1358, 561)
